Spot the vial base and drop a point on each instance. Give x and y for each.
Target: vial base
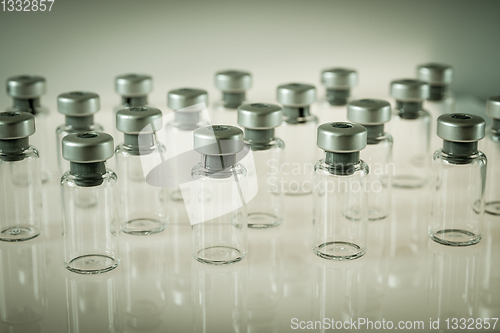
(176, 195)
(263, 220)
(46, 176)
(493, 207)
(455, 237)
(220, 255)
(407, 181)
(143, 227)
(92, 264)
(376, 213)
(339, 251)
(19, 233)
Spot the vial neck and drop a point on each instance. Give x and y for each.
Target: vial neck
(459, 149)
(80, 123)
(138, 146)
(187, 120)
(496, 124)
(337, 96)
(296, 112)
(12, 150)
(438, 92)
(217, 162)
(408, 110)
(28, 105)
(342, 164)
(232, 100)
(258, 138)
(135, 101)
(374, 131)
(88, 174)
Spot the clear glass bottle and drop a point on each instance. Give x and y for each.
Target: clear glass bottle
(441, 99)
(190, 112)
(299, 133)
(458, 181)
(338, 82)
(218, 211)
(233, 84)
(26, 91)
(340, 201)
(491, 147)
(373, 114)
(20, 192)
(144, 208)
(90, 206)
(259, 120)
(79, 108)
(410, 128)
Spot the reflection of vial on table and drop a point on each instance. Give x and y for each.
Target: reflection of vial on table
(458, 181)
(410, 126)
(492, 150)
(143, 206)
(338, 82)
(90, 212)
(26, 91)
(218, 210)
(259, 121)
(339, 197)
(233, 84)
(78, 108)
(20, 192)
(373, 114)
(299, 132)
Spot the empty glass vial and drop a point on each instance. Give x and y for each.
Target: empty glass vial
(339, 194)
(188, 105)
(373, 114)
(144, 210)
(338, 82)
(26, 92)
(410, 128)
(299, 133)
(90, 210)
(233, 84)
(20, 192)
(458, 181)
(259, 120)
(218, 210)
(79, 108)
(492, 150)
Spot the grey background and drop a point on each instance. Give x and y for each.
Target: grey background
(82, 45)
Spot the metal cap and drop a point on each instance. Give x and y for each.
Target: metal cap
(460, 127)
(135, 119)
(233, 80)
(369, 111)
(26, 86)
(339, 78)
(16, 125)
(296, 94)
(493, 107)
(184, 97)
(87, 147)
(410, 90)
(78, 103)
(218, 140)
(133, 85)
(435, 74)
(341, 137)
(260, 116)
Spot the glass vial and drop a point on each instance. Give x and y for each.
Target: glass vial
(259, 120)
(373, 114)
(299, 133)
(188, 105)
(144, 210)
(20, 192)
(410, 128)
(90, 210)
(233, 84)
(458, 181)
(26, 92)
(492, 150)
(79, 108)
(219, 217)
(338, 82)
(339, 197)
